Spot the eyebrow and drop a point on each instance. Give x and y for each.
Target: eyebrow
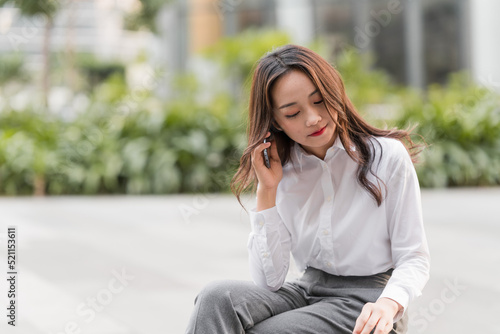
(293, 103)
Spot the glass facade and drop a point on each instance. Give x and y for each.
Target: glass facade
(382, 28)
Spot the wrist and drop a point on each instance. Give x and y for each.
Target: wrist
(266, 198)
(395, 306)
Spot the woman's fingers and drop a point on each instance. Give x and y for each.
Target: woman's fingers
(378, 315)
(267, 177)
(362, 319)
(257, 155)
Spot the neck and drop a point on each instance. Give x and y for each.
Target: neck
(320, 152)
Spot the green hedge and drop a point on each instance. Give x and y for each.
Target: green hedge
(183, 147)
(96, 71)
(461, 124)
(187, 144)
(12, 69)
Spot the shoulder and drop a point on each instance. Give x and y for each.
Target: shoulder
(388, 148)
(389, 156)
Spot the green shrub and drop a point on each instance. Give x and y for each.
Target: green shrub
(364, 87)
(122, 143)
(28, 151)
(237, 55)
(182, 147)
(12, 69)
(461, 124)
(96, 71)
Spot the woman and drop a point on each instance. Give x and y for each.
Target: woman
(339, 195)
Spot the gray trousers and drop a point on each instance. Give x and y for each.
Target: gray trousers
(316, 303)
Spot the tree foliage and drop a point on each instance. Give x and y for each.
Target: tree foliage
(145, 15)
(46, 8)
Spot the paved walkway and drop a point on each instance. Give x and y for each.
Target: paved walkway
(126, 265)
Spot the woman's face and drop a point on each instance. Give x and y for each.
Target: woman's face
(299, 110)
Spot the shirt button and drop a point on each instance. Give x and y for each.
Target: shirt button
(261, 223)
(265, 255)
(329, 198)
(329, 264)
(325, 232)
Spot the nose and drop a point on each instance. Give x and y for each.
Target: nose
(313, 117)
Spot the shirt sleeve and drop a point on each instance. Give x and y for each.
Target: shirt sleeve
(410, 252)
(269, 245)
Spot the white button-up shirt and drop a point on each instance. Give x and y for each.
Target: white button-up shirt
(327, 220)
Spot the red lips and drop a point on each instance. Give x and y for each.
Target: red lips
(318, 133)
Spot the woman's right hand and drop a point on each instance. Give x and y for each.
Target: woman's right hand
(268, 178)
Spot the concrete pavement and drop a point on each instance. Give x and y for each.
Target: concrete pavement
(134, 264)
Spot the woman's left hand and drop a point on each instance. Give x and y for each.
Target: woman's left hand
(380, 314)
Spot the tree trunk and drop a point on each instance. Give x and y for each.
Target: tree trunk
(39, 185)
(70, 47)
(46, 61)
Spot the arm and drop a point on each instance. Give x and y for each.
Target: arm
(409, 250)
(269, 246)
(269, 242)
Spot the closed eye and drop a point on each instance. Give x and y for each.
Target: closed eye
(319, 102)
(292, 116)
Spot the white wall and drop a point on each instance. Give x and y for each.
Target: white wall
(296, 18)
(485, 42)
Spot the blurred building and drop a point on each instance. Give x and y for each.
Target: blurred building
(83, 26)
(416, 42)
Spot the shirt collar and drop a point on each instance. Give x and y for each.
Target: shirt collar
(336, 144)
(300, 154)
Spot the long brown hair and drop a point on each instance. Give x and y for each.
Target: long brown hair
(352, 129)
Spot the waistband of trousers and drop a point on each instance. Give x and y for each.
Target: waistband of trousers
(313, 275)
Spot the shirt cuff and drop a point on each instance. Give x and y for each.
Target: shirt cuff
(268, 218)
(399, 295)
